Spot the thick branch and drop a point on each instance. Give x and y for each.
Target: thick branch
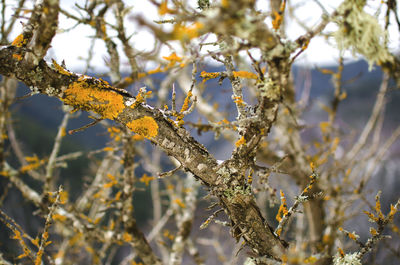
(90, 94)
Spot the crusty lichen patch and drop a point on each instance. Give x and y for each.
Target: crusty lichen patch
(94, 95)
(145, 126)
(19, 41)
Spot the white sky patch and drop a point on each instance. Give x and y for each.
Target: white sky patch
(73, 45)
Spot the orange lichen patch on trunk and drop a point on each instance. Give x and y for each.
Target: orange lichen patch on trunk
(145, 126)
(94, 95)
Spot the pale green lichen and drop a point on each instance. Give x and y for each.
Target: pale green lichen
(269, 89)
(361, 33)
(231, 192)
(347, 259)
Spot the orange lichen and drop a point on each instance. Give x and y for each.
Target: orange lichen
(305, 45)
(239, 101)
(207, 76)
(154, 71)
(185, 105)
(59, 217)
(283, 209)
(181, 32)
(127, 237)
(63, 132)
(94, 95)
(276, 23)
(163, 9)
(17, 56)
(324, 126)
(240, 142)
(34, 163)
(140, 98)
(168, 235)
(180, 203)
(137, 137)
(173, 59)
(225, 3)
(113, 181)
(343, 96)
(352, 236)
(277, 16)
(310, 260)
(114, 133)
(64, 197)
(19, 41)
(145, 126)
(146, 179)
(108, 148)
(244, 74)
(61, 69)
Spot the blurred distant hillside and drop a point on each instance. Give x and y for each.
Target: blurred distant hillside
(43, 114)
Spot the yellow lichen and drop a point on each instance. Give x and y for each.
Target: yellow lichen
(145, 126)
(94, 95)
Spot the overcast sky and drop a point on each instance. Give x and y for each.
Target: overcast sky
(73, 45)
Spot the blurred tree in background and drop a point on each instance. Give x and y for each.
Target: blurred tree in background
(288, 188)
